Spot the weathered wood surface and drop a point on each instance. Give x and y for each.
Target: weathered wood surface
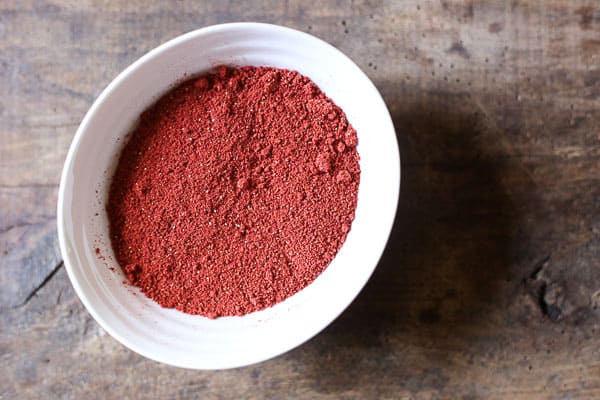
(490, 286)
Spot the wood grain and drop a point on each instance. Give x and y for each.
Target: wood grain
(490, 285)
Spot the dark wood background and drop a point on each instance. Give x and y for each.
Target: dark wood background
(490, 285)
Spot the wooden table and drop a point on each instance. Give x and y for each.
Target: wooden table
(490, 285)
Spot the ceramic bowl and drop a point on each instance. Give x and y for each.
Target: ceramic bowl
(183, 340)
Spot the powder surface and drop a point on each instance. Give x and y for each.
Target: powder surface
(235, 191)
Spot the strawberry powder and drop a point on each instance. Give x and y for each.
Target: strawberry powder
(235, 191)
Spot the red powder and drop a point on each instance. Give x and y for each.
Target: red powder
(235, 191)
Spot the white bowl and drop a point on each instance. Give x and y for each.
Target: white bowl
(183, 340)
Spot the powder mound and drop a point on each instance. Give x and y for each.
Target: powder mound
(323, 162)
(343, 176)
(235, 191)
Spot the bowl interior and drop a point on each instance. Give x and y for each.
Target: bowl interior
(190, 341)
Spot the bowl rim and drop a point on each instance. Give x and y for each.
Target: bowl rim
(70, 262)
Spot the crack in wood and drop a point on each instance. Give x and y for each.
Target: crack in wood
(43, 219)
(551, 311)
(539, 287)
(39, 287)
(538, 267)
